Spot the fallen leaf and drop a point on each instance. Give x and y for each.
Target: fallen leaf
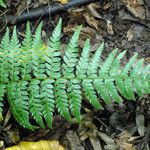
(13, 135)
(107, 5)
(110, 30)
(136, 7)
(91, 20)
(123, 141)
(92, 8)
(40, 145)
(140, 124)
(62, 1)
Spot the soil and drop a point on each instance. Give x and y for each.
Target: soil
(122, 24)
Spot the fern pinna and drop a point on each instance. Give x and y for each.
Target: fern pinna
(38, 78)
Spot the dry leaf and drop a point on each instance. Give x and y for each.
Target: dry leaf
(123, 141)
(92, 8)
(13, 135)
(91, 20)
(40, 145)
(130, 35)
(136, 7)
(62, 1)
(110, 30)
(107, 5)
(140, 124)
(1, 144)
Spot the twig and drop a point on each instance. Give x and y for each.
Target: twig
(43, 11)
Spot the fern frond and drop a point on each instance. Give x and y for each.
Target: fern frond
(13, 57)
(90, 93)
(81, 69)
(71, 55)
(2, 92)
(36, 55)
(94, 63)
(35, 104)
(47, 100)
(103, 72)
(4, 52)
(2, 3)
(61, 98)
(37, 78)
(26, 64)
(52, 57)
(75, 98)
(18, 100)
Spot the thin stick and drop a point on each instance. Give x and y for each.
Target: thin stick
(43, 11)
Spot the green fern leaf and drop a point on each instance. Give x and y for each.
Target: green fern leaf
(18, 100)
(4, 52)
(47, 100)
(71, 55)
(90, 93)
(2, 3)
(26, 53)
(52, 57)
(61, 97)
(94, 63)
(83, 62)
(37, 78)
(13, 57)
(75, 97)
(35, 104)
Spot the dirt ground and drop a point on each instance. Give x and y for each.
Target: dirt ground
(122, 24)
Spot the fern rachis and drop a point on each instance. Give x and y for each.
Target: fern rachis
(37, 79)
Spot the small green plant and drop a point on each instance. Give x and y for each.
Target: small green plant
(2, 3)
(38, 79)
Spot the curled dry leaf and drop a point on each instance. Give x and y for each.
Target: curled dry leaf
(40, 145)
(136, 7)
(92, 8)
(91, 21)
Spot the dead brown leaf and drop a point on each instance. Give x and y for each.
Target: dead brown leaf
(123, 141)
(91, 21)
(136, 7)
(92, 9)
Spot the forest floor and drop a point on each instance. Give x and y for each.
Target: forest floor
(122, 24)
